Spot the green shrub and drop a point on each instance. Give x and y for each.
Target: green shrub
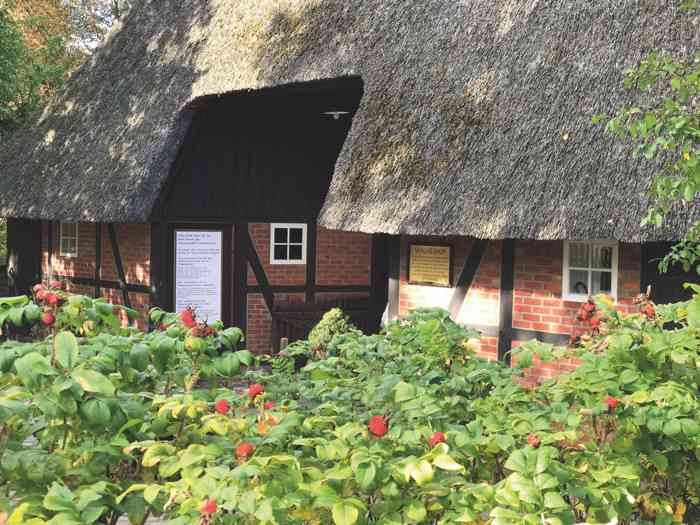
(407, 426)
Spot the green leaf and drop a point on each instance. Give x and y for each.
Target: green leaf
(517, 462)
(151, 493)
(416, 512)
(66, 349)
(404, 392)
(552, 500)
(365, 474)
(245, 357)
(31, 366)
(445, 462)
(628, 376)
(672, 427)
(422, 472)
(694, 313)
(155, 453)
(227, 365)
(139, 357)
(546, 481)
(344, 514)
(92, 381)
(59, 499)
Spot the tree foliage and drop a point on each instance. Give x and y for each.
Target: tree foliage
(34, 61)
(665, 125)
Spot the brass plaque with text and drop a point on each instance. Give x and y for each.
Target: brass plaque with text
(429, 265)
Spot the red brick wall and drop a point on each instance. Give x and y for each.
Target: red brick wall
(341, 258)
(134, 247)
(537, 292)
(481, 304)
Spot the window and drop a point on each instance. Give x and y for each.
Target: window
(590, 268)
(69, 239)
(288, 243)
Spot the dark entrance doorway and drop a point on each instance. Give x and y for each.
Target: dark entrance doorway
(665, 287)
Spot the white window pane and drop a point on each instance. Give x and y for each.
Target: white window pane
(602, 257)
(578, 282)
(578, 254)
(601, 282)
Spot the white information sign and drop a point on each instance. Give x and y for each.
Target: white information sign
(198, 272)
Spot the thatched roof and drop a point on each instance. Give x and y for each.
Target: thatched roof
(475, 120)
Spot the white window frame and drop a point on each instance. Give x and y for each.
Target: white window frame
(614, 270)
(278, 225)
(62, 236)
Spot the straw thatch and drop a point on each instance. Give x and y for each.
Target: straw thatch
(475, 120)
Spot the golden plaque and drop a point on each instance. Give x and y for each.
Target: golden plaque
(429, 265)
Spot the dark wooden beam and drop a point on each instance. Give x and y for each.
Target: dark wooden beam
(107, 285)
(394, 276)
(240, 275)
(323, 288)
(162, 266)
(23, 254)
(311, 238)
(505, 325)
(49, 225)
(471, 265)
(520, 334)
(118, 263)
(259, 272)
(98, 259)
(379, 270)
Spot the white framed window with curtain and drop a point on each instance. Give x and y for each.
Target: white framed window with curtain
(590, 268)
(68, 239)
(287, 243)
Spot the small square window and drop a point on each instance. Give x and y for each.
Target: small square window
(590, 268)
(68, 239)
(288, 245)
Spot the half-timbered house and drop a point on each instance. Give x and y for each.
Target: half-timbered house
(266, 160)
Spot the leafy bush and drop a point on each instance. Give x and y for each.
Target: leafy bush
(407, 426)
(334, 322)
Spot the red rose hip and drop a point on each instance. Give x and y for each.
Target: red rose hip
(222, 406)
(255, 390)
(48, 319)
(244, 450)
(438, 437)
(378, 426)
(269, 405)
(533, 441)
(208, 507)
(188, 318)
(612, 403)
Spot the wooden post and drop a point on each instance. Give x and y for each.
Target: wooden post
(311, 237)
(252, 257)
(50, 249)
(161, 273)
(98, 259)
(240, 275)
(505, 324)
(471, 265)
(394, 276)
(379, 277)
(23, 254)
(118, 263)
